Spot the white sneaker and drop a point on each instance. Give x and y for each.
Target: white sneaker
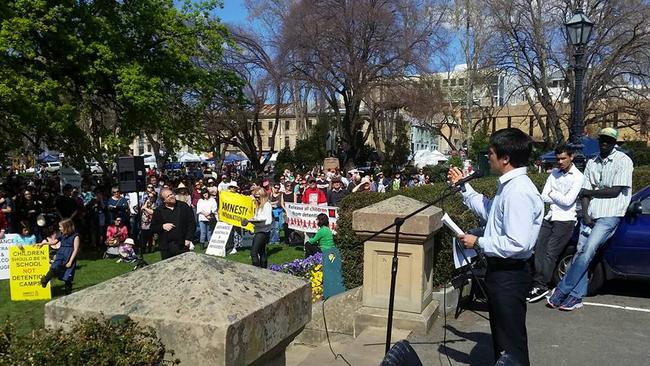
(233, 251)
(536, 294)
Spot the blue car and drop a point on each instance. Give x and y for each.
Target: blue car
(627, 253)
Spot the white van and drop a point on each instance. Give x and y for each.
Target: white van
(53, 167)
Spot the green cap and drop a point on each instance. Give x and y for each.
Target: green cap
(611, 132)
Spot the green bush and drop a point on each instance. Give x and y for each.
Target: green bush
(352, 249)
(639, 152)
(89, 342)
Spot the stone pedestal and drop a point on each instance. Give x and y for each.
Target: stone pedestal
(210, 311)
(414, 307)
(330, 163)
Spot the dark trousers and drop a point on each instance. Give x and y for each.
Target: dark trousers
(311, 249)
(553, 238)
(258, 250)
(169, 250)
(507, 283)
(57, 272)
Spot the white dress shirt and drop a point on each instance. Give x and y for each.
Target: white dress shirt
(560, 191)
(513, 216)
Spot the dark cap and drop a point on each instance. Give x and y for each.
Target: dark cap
(312, 180)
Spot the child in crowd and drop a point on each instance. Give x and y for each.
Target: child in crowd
(65, 262)
(25, 237)
(127, 252)
(324, 239)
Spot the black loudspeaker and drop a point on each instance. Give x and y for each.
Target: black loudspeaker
(401, 354)
(131, 174)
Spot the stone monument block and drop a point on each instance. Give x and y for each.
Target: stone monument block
(210, 311)
(331, 163)
(414, 307)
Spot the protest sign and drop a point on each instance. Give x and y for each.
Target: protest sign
(235, 207)
(218, 240)
(28, 264)
(69, 176)
(5, 243)
(302, 217)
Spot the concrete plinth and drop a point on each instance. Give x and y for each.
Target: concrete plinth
(331, 163)
(367, 317)
(414, 308)
(210, 311)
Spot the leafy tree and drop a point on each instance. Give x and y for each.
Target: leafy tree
(397, 152)
(87, 77)
(310, 152)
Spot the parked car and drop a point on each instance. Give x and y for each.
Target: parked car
(626, 254)
(53, 167)
(95, 168)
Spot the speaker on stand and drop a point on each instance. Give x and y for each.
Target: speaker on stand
(131, 174)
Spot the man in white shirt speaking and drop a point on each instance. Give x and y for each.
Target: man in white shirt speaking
(561, 192)
(513, 219)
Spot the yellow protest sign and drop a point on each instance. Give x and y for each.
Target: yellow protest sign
(235, 207)
(28, 264)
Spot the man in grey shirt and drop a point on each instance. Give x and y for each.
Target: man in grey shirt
(513, 220)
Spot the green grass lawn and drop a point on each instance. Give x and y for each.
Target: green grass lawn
(28, 315)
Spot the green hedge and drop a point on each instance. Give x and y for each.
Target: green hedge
(352, 249)
(90, 342)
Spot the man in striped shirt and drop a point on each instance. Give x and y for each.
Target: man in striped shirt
(605, 195)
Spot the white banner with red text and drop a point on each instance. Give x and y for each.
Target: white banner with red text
(302, 217)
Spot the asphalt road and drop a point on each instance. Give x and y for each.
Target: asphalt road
(613, 328)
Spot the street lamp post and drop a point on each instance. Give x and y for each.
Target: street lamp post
(578, 30)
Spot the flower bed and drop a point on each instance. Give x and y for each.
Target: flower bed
(310, 268)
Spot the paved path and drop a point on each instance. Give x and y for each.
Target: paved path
(612, 329)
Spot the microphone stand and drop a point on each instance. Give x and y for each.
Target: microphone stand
(397, 224)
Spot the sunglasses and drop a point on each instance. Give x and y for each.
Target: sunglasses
(116, 191)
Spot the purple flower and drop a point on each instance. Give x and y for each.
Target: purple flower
(299, 267)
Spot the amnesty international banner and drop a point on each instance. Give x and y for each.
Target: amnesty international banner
(302, 217)
(234, 207)
(28, 264)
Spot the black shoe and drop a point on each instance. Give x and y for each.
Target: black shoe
(44, 281)
(536, 294)
(67, 288)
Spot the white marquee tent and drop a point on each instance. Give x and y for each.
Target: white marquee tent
(426, 157)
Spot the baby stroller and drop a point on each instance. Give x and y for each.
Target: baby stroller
(112, 249)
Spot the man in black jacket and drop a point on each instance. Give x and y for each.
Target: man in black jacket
(174, 223)
(337, 193)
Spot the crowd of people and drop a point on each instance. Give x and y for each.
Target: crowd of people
(174, 211)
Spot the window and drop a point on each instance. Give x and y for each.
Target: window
(141, 144)
(287, 125)
(310, 123)
(286, 141)
(461, 82)
(259, 125)
(270, 141)
(645, 205)
(270, 125)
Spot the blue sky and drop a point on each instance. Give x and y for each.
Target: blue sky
(233, 11)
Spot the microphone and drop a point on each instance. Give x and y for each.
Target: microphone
(461, 183)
